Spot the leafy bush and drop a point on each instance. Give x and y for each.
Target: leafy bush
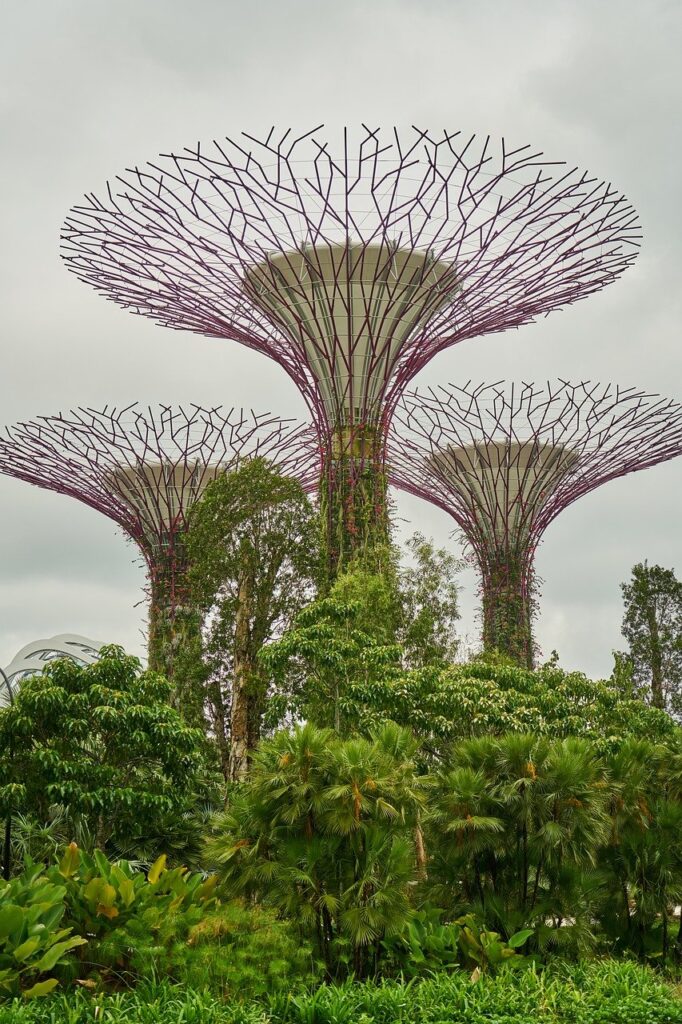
(31, 942)
(427, 945)
(102, 742)
(484, 698)
(237, 949)
(130, 920)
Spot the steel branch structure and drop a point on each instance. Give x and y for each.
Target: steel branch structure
(145, 469)
(504, 460)
(351, 262)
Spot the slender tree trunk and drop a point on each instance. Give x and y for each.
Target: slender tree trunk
(626, 902)
(524, 844)
(420, 850)
(536, 885)
(220, 728)
(665, 933)
(657, 695)
(239, 724)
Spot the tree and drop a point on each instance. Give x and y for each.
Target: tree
(652, 626)
(483, 698)
(103, 742)
(253, 551)
(366, 631)
(429, 595)
(325, 830)
(643, 857)
(338, 641)
(516, 827)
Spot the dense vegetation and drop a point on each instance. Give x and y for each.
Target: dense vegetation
(326, 817)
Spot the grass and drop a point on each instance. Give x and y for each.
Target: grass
(609, 992)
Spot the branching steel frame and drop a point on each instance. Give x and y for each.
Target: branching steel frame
(240, 240)
(145, 468)
(504, 460)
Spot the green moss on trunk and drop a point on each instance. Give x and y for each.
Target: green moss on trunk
(508, 605)
(353, 497)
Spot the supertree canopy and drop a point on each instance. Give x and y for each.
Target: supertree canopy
(504, 460)
(351, 262)
(145, 469)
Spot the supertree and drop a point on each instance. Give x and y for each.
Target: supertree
(504, 460)
(145, 469)
(351, 263)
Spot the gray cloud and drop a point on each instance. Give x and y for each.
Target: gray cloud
(90, 87)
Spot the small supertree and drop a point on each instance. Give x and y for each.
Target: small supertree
(351, 263)
(504, 460)
(145, 469)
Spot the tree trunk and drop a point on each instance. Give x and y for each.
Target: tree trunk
(220, 727)
(243, 669)
(657, 695)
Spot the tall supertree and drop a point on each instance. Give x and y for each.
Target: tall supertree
(504, 460)
(145, 469)
(351, 262)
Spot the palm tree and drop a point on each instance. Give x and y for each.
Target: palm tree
(644, 853)
(325, 830)
(516, 816)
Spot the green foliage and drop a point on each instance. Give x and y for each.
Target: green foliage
(652, 626)
(643, 858)
(130, 919)
(325, 831)
(32, 943)
(102, 742)
(429, 945)
(430, 604)
(337, 641)
(607, 992)
(515, 831)
(252, 545)
(238, 949)
(492, 697)
(363, 633)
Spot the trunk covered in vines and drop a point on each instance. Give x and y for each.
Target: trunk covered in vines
(174, 624)
(507, 586)
(353, 496)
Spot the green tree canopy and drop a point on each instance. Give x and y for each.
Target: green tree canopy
(367, 628)
(652, 626)
(103, 742)
(254, 559)
(489, 699)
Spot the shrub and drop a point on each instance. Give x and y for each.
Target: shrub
(31, 942)
(131, 920)
(237, 950)
(601, 993)
(103, 742)
(326, 831)
(487, 699)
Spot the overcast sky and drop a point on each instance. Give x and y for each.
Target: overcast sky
(92, 86)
